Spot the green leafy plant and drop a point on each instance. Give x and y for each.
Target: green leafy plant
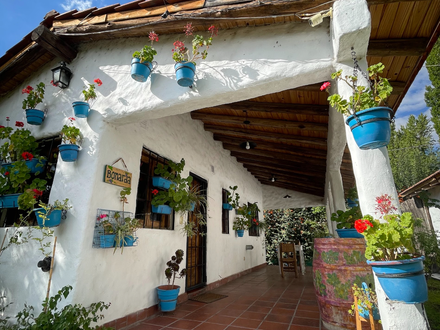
(363, 97)
(366, 299)
(71, 134)
(173, 267)
(35, 96)
(16, 142)
(89, 93)
(182, 54)
(427, 242)
(233, 197)
(346, 219)
(241, 223)
(147, 53)
(52, 317)
(49, 208)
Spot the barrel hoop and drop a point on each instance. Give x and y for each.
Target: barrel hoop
(366, 121)
(400, 275)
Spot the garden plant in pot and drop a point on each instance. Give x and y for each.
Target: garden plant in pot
(185, 62)
(245, 218)
(107, 239)
(35, 97)
(346, 220)
(368, 120)
(233, 199)
(80, 108)
(391, 253)
(50, 215)
(71, 140)
(142, 62)
(168, 293)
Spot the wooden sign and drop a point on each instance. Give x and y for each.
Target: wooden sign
(117, 176)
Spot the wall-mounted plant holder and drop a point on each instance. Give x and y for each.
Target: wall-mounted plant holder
(101, 239)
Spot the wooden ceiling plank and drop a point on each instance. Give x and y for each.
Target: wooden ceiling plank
(429, 21)
(389, 15)
(315, 192)
(402, 17)
(397, 47)
(292, 182)
(272, 166)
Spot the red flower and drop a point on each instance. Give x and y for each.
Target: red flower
(361, 225)
(27, 155)
(27, 90)
(71, 118)
(102, 216)
(55, 85)
(98, 81)
(6, 173)
(189, 29)
(37, 193)
(19, 124)
(179, 45)
(213, 30)
(155, 192)
(325, 86)
(153, 36)
(1, 126)
(254, 220)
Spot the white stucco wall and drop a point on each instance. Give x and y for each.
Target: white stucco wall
(243, 63)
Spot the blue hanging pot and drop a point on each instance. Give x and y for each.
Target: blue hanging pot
(36, 165)
(53, 220)
(160, 182)
(107, 241)
(349, 233)
(161, 209)
(34, 116)
(185, 72)
(371, 127)
(9, 201)
(227, 206)
(240, 232)
(68, 152)
(141, 70)
(81, 109)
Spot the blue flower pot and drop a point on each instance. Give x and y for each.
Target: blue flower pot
(81, 109)
(34, 116)
(371, 127)
(9, 201)
(240, 232)
(167, 297)
(129, 240)
(53, 220)
(107, 241)
(68, 152)
(402, 280)
(162, 209)
(227, 206)
(160, 182)
(185, 73)
(349, 233)
(352, 202)
(363, 311)
(36, 165)
(140, 70)
(193, 206)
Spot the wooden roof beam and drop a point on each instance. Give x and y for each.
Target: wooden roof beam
(273, 167)
(397, 47)
(53, 44)
(311, 191)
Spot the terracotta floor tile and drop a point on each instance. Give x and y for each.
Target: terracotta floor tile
(309, 302)
(221, 319)
(184, 324)
(304, 321)
(230, 312)
(145, 327)
(179, 313)
(266, 325)
(198, 316)
(307, 314)
(302, 327)
(253, 315)
(241, 307)
(264, 303)
(160, 320)
(282, 311)
(186, 307)
(286, 305)
(279, 318)
(211, 326)
(302, 307)
(246, 323)
(259, 309)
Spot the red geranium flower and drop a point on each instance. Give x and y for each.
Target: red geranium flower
(1, 126)
(98, 81)
(361, 225)
(55, 85)
(6, 173)
(189, 29)
(27, 90)
(37, 193)
(71, 118)
(153, 36)
(155, 192)
(27, 155)
(213, 30)
(325, 86)
(19, 124)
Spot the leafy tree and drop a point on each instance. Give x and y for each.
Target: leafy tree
(412, 153)
(432, 94)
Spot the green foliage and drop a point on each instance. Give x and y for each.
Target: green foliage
(293, 225)
(363, 97)
(71, 134)
(412, 152)
(428, 243)
(432, 306)
(69, 317)
(233, 197)
(346, 219)
(432, 94)
(35, 96)
(173, 266)
(16, 143)
(18, 235)
(182, 53)
(245, 217)
(146, 54)
(390, 240)
(366, 299)
(44, 240)
(49, 208)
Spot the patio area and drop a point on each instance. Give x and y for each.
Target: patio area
(259, 300)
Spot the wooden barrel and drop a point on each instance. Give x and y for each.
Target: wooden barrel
(338, 263)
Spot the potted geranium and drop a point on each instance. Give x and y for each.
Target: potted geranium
(240, 224)
(80, 108)
(185, 62)
(168, 293)
(71, 140)
(346, 220)
(107, 239)
(142, 62)
(391, 253)
(35, 97)
(369, 121)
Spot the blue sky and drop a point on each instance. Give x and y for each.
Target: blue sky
(19, 17)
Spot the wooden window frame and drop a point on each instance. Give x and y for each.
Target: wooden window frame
(255, 230)
(225, 213)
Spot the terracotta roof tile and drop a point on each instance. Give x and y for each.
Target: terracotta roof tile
(106, 9)
(129, 5)
(67, 14)
(84, 13)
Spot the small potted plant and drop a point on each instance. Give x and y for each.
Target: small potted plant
(233, 199)
(71, 140)
(185, 62)
(240, 224)
(35, 97)
(80, 108)
(50, 215)
(369, 121)
(365, 300)
(168, 293)
(346, 220)
(390, 250)
(142, 62)
(107, 239)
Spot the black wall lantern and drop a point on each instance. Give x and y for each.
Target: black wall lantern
(61, 75)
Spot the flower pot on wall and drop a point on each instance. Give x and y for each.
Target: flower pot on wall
(227, 206)
(129, 240)
(9, 201)
(69, 152)
(36, 165)
(402, 280)
(34, 116)
(240, 232)
(185, 72)
(348, 233)
(81, 109)
(371, 127)
(161, 209)
(160, 182)
(352, 202)
(167, 295)
(107, 241)
(140, 71)
(53, 220)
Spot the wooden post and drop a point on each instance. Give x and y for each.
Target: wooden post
(3, 242)
(51, 270)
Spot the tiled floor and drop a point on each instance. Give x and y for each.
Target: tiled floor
(259, 300)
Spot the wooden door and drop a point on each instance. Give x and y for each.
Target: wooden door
(196, 245)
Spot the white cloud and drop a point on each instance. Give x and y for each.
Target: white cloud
(414, 101)
(77, 4)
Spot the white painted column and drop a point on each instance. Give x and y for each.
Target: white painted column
(372, 170)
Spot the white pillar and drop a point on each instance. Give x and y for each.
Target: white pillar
(351, 28)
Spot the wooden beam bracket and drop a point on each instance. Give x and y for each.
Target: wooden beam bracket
(53, 44)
